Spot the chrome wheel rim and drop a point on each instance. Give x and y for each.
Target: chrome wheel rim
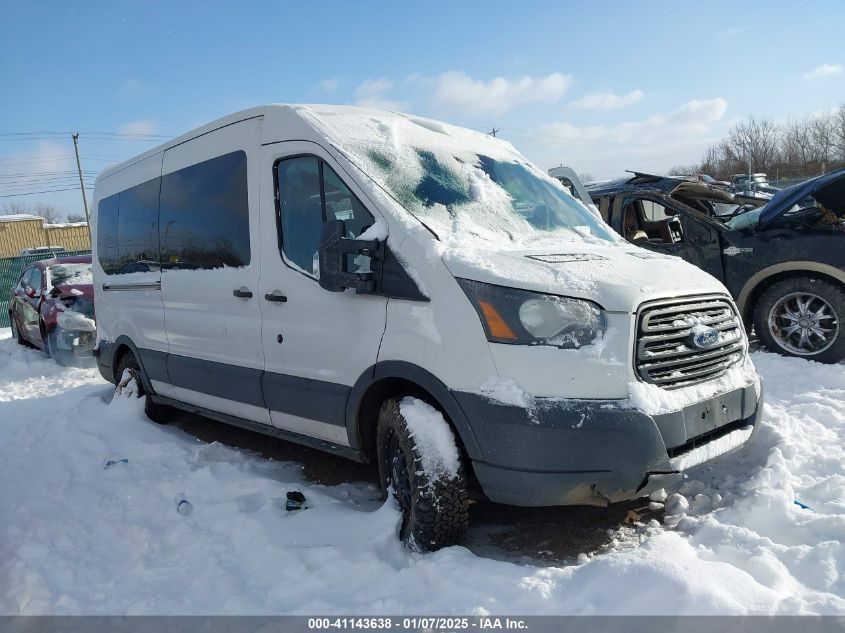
(803, 323)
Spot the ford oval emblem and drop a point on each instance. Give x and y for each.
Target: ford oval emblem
(705, 337)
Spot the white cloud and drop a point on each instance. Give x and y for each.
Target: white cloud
(138, 127)
(606, 100)
(733, 31)
(330, 85)
(132, 87)
(371, 94)
(825, 70)
(455, 91)
(652, 144)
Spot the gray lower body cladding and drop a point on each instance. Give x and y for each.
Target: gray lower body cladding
(592, 452)
(567, 452)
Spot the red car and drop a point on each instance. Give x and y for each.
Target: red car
(52, 307)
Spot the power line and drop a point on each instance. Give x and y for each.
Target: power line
(32, 193)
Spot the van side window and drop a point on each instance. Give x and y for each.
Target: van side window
(204, 219)
(311, 193)
(127, 229)
(107, 234)
(137, 227)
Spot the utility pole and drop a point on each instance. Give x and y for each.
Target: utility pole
(75, 137)
(493, 131)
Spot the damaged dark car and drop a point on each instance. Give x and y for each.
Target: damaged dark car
(782, 259)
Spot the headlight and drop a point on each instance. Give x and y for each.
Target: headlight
(523, 317)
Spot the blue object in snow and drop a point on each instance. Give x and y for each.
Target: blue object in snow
(803, 506)
(112, 462)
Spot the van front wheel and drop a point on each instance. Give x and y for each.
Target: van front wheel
(128, 376)
(423, 470)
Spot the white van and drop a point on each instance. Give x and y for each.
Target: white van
(395, 289)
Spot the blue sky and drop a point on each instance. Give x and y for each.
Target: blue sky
(601, 86)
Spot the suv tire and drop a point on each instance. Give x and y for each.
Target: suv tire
(802, 317)
(435, 506)
(158, 413)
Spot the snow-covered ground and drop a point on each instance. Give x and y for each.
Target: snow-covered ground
(81, 538)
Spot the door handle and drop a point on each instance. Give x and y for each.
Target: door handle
(276, 296)
(243, 293)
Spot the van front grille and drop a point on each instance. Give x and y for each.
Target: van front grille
(667, 353)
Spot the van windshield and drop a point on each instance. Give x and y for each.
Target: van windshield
(462, 183)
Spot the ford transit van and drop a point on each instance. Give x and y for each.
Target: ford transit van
(401, 291)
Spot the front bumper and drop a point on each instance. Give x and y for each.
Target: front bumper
(594, 452)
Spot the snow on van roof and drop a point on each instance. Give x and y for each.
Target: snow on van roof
(462, 184)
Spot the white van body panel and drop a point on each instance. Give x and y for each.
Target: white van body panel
(326, 337)
(616, 278)
(129, 304)
(204, 320)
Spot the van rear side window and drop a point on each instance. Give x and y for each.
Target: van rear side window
(127, 229)
(204, 218)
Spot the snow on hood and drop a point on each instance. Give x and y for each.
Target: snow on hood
(619, 278)
(496, 217)
(461, 184)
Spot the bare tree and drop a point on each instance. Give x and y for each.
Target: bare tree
(683, 170)
(755, 141)
(75, 217)
(46, 211)
(41, 209)
(14, 208)
(839, 131)
(822, 129)
(586, 176)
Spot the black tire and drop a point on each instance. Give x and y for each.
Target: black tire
(158, 413)
(15, 332)
(770, 319)
(48, 339)
(435, 508)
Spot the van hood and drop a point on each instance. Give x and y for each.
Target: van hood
(619, 278)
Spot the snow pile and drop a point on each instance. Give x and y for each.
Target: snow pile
(712, 449)
(433, 436)
(653, 400)
(505, 391)
(79, 538)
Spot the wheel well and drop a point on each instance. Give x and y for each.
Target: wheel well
(388, 388)
(768, 282)
(119, 353)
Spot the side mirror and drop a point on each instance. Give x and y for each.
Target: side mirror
(333, 261)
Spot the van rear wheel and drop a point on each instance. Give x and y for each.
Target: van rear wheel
(434, 503)
(158, 413)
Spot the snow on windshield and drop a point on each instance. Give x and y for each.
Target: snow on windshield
(457, 181)
(70, 274)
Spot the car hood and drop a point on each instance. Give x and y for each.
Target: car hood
(617, 277)
(828, 189)
(78, 290)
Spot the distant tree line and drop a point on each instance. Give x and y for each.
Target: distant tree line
(798, 148)
(42, 209)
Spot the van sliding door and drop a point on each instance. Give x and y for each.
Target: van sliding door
(210, 253)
